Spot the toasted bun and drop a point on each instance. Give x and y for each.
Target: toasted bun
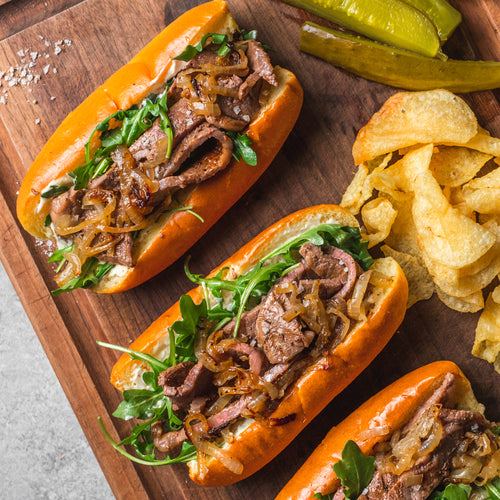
(392, 407)
(257, 444)
(168, 238)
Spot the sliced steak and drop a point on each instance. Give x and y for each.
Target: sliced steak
(150, 148)
(170, 442)
(207, 150)
(337, 269)
(261, 66)
(281, 340)
(246, 329)
(68, 203)
(254, 355)
(185, 381)
(121, 253)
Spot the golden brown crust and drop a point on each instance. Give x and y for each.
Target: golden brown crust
(320, 383)
(144, 74)
(393, 406)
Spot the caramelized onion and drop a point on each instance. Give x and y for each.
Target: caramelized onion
(62, 225)
(195, 434)
(490, 470)
(373, 432)
(355, 308)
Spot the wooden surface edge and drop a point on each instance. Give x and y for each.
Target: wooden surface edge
(74, 376)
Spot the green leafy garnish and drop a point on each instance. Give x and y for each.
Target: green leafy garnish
(151, 404)
(453, 492)
(346, 238)
(48, 221)
(323, 497)
(92, 271)
(54, 190)
(133, 123)
(58, 256)
(242, 148)
(192, 50)
(355, 470)
(496, 429)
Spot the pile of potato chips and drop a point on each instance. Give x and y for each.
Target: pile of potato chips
(428, 187)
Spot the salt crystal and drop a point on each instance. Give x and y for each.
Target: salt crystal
(47, 43)
(13, 82)
(3, 100)
(37, 121)
(20, 53)
(31, 64)
(52, 98)
(33, 55)
(54, 70)
(46, 69)
(40, 36)
(67, 42)
(47, 56)
(57, 50)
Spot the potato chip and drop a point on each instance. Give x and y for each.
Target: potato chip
(403, 235)
(487, 341)
(485, 143)
(378, 216)
(444, 233)
(356, 193)
(409, 118)
(420, 284)
(483, 194)
(401, 175)
(468, 304)
(454, 166)
(472, 278)
(360, 189)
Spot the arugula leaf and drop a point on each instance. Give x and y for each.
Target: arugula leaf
(346, 238)
(92, 271)
(493, 489)
(187, 454)
(453, 492)
(187, 328)
(48, 221)
(54, 190)
(192, 50)
(242, 148)
(138, 403)
(156, 365)
(355, 470)
(496, 429)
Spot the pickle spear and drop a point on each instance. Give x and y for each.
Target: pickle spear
(393, 22)
(395, 67)
(441, 13)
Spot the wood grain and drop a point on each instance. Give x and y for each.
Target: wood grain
(314, 166)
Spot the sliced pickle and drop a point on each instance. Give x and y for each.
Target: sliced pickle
(441, 13)
(389, 21)
(398, 68)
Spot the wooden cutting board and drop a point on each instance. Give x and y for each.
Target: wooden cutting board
(95, 38)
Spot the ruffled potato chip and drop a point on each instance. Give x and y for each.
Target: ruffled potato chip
(444, 233)
(401, 175)
(468, 304)
(378, 216)
(483, 194)
(361, 189)
(420, 284)
(487, 341)
(454, 166)
(408, 118)
(484, 142)
(469, 279)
